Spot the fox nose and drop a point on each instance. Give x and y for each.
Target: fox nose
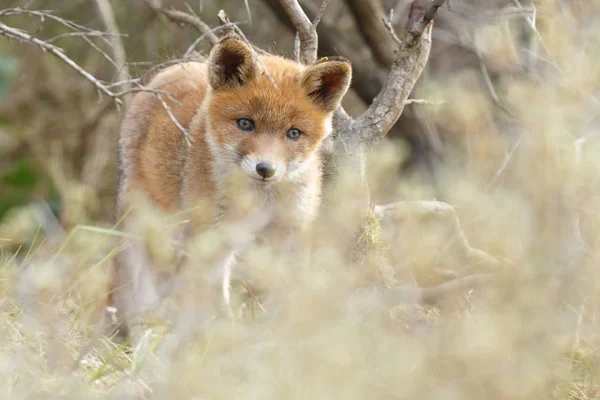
(265, 169)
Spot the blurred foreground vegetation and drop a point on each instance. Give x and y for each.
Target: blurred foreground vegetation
(509, 138)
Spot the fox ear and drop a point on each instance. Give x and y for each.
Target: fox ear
(230, 65)
(327, 81)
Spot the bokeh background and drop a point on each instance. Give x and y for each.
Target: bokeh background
(507, 134)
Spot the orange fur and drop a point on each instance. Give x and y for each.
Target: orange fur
(210, 99)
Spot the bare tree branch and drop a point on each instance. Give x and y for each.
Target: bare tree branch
(392, 33)
(108, 18)
(410, 61)
(192, 47)
(130, 85)
(368, 15)
(297, 47)
(78, 30)
(232, 28)
(80, 34)
(421, 14)
(425, 101)
(184, 131)
(307, 32)
(46, 14)
(119, 90)
(22, 36)
(368, 77)
(248, 11)
(183, 18)
(116, 90)
(353, 138)
(320, 13)
(397, 212)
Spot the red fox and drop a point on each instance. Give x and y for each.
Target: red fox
(262, 117)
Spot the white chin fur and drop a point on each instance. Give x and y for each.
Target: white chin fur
(298, 166)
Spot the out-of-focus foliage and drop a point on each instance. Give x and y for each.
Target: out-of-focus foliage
(21, 177)
(8, 65)
(513, 149)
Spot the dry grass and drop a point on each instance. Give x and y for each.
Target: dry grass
(522, 173)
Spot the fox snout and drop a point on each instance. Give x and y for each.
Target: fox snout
(263, 169)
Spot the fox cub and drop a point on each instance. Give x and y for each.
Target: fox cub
(259, 117)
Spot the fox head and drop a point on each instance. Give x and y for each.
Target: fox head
(269, 117)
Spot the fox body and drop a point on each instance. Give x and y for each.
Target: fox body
(255, 120)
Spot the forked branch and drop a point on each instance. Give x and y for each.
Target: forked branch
(407, 66)
(368, 15)
(307, 30)
(108, 17)
(116, 90)
(410, 61)
(183, 18)
(24, 37)
(397, 213)
(368, 77)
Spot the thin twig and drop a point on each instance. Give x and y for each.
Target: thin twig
(505, 163)
(87, 34)
(186, 134)
(248, 11)
(319, 14)
(308, 35)
(224, 19)
(140, 88)
(410, 61)
(183, 18)
(297, 47)
(530, 19)
(214, 30)
(368, 15)
(47, 14)
(396, 212)
(24, 37)
(425, 101)
(485, 73)
(108, 89)
(81, 31)
(110, 22)
(391, 31)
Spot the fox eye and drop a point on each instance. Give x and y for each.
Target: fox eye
(293, 134)
(245, 124)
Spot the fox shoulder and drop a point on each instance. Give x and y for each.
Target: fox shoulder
(149, 141)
